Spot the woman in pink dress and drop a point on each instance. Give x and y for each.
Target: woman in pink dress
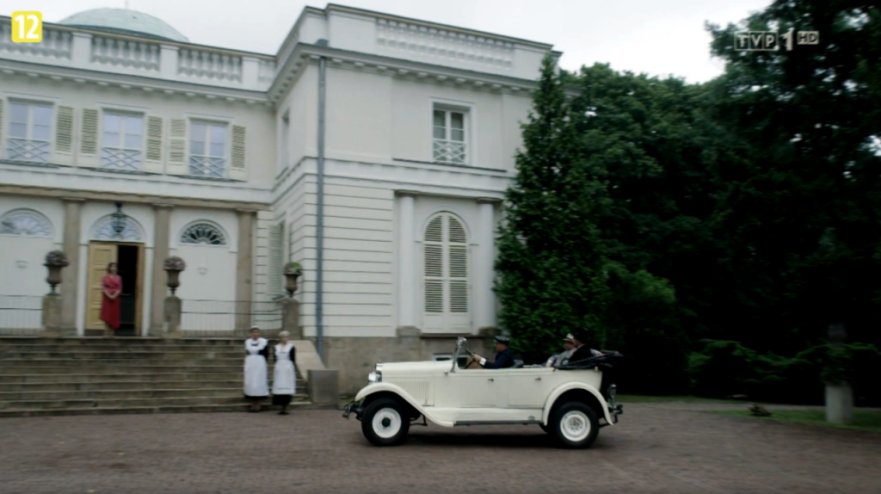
(111, 288)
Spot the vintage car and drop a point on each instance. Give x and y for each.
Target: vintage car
(565, 401)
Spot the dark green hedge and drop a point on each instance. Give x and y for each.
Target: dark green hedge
(727, 368)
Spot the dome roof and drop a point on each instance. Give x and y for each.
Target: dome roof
(124, 21)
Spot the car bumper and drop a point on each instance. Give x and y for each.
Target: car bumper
(352, 407)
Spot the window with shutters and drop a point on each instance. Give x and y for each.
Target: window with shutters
(122, 137)
(446, 273)
(208, 148)
(449, 132)
(30, 127)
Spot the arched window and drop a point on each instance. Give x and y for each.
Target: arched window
(26, 222)
(203, 233)
(446, 273)
(125, 229)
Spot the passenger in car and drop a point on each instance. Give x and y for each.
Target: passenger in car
(569, 348)
(503, 359)
(582, 351)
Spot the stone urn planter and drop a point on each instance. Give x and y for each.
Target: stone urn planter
(55, 261)
(292, 271)
(173, 266)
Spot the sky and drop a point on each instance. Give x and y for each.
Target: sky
(657, 37)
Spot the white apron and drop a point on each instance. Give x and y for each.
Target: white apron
(284, 379)
(255, 368)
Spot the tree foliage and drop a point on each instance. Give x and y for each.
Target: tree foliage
(657, 213)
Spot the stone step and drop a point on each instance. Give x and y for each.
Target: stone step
(103, 394)
(81, 367)
(118, 393)
(91, 354)
(79, 403)
(101, 383)
(209, 408)
(17, 342)
(48, 375)
(94, 383)
(109, 364)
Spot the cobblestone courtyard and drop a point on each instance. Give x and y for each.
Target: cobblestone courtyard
(657, 448)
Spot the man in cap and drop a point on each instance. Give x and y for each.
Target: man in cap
(504, 358)
(569, 346)
(582, 351)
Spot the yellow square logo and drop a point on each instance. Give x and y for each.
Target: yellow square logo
(27, 26)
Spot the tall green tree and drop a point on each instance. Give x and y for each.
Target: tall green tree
(801, 216)
(550, 276)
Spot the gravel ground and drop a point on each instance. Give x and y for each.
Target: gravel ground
(656, 448)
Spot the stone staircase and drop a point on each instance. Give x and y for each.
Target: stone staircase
(72, 376)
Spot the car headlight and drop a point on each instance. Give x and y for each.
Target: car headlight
(374, 377)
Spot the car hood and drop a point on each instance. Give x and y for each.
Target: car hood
(392, 369)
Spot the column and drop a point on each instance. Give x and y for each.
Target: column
(244, 269)
(161, 241)
(406, 261)
(71, 247)
(484, 272)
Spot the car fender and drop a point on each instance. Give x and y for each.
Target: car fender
(372, 389)
(552, 399)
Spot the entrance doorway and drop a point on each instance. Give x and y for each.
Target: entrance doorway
(129, 259)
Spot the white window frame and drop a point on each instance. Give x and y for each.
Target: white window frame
(467, 141)
(119, 148)
(227, 146)
(29, 139)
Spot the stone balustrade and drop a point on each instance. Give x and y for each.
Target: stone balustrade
(125, 53)
(71, 48)
(209, 65)
(56, 44)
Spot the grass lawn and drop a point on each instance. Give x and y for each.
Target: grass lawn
(863, 420)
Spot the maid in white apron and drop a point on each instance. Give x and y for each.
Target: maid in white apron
(256, 352)
(284, 377)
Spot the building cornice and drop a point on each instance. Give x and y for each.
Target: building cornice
(333, 7)
(132, 82)
(150, 199)
(303, 54)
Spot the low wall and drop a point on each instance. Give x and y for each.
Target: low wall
(354, 358)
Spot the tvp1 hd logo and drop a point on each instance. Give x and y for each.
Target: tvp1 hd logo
(772, 40)
(27, 26)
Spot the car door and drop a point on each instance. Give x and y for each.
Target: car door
(469, 388)
(525, 388)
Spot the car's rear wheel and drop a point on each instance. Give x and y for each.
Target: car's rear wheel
(575, 424)
(385, 422)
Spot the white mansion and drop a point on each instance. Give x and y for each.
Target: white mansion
(375, 147)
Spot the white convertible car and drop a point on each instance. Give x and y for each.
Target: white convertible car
(565, 401)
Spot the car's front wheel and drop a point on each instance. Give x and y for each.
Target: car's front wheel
(385, 422)
(575, 424)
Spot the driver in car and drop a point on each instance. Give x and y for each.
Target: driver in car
(503, 359)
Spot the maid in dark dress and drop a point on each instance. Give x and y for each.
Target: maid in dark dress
(256, 353)
(284, 377)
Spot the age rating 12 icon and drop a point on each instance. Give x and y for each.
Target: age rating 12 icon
(27, 26)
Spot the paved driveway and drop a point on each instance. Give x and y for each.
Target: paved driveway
(657, 448)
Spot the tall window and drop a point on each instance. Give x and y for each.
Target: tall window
(122, 140)
(30, 125)
(446, 273)
(208, 143)
(449, 145)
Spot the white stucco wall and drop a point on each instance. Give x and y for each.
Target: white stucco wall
(22, 274)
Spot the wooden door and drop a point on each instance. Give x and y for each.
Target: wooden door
(100, 255)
